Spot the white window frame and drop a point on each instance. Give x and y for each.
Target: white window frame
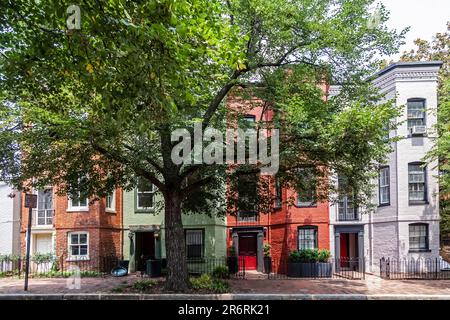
(415, 115)
(414, 185)
(384, 182)
(112, 208)
(153, 191)
(71, 207)
(70, 244)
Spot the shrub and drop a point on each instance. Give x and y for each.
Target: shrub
(221, 272)
(324, 255)
(309, 256)
(206, 282)
(267, 250)
(144, 285)
(42, 258)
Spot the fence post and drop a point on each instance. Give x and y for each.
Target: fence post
(388, 268)
(437, 266)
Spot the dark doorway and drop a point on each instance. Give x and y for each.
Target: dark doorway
(349, 249)
(248, 250)
(145, 249)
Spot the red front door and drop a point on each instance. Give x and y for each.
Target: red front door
(247, 250)
(344, 249)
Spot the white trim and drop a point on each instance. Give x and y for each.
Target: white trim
(71, 257)
(113, 203)
(71, 208)
(152, 192)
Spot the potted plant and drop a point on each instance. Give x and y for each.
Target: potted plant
(309, 263)
(232, 261)
(267, 259)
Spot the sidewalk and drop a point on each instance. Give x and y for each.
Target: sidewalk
(372, 286)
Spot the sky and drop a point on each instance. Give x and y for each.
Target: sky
(425, 17)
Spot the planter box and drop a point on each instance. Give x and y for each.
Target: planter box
(309, 270)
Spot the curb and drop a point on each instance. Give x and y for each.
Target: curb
(228, 296)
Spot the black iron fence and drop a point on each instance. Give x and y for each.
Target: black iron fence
(64, 265)
(338, 268)
(420, 268)
(222, 267)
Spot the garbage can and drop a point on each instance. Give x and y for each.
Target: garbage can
(153, 268)
(124, 263)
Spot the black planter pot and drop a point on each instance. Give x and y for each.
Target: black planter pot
(309, 269)
(267, 265)
(232, 264)
(153, 268)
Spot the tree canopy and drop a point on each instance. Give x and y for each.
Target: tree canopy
(102, 101)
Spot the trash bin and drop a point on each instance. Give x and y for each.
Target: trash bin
(124, 263)
(153, 268)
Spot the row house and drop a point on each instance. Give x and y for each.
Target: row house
(405, 223)
(9, 220)
(130, 224)
(292, 225)
(144, 236)
(74, 228)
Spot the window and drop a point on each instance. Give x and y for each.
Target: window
(346, 209)
(416, 113)
(278, 196)
(307, 238)
(247, 197)
(306, 191)
(418, 237)
(417, 183)
(78, 203)
(77, 200)
(78, 245)
(384, 186)
(145, 194)
(194, 243)
(45, 207)
(111, 201)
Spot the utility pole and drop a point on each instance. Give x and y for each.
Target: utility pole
(30, 203)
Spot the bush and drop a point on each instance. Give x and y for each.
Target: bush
(144, 285)
(221, 272)
(206, 282)
(42, 258)
(309, 256)
(267, 250)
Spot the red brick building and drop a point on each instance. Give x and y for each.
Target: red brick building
(293, 225)
(75, 230)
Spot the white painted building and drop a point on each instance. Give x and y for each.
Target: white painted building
(406, 221)
(9, 220)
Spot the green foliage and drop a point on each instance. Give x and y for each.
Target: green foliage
(232, 251)
(106, 98)
(310, 255)
(9, 258)
(206, 282)
(40, 258)
(144, 285)
(221, 272)
(267, 250)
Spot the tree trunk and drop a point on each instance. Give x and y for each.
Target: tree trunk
(177, 276)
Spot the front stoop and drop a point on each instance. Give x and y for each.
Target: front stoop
(228, 296)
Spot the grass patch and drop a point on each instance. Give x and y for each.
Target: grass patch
(209, 284)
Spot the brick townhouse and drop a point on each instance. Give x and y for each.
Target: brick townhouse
(87, 230)
(303, 224)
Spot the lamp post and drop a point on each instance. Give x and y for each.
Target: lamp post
(30, 203)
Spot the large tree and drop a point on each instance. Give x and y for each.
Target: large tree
(438, 49)
(101, 102)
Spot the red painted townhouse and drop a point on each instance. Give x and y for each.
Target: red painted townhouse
(303, 224)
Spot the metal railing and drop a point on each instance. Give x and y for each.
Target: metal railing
(420, 268)
(352, 215)
(247, 218)
(337, 268)
(233, 266)
(49, 265)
